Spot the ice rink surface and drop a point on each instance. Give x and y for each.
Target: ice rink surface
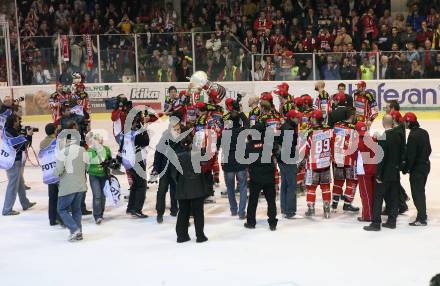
(127, 251)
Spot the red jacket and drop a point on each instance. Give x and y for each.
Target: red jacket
(367, 154)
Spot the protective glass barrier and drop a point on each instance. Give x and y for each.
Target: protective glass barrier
(410, 64)
(39, 60)
(346, 66)
(164, 57)
(3, 66)
(284, 67)
(118, 58)
(222, 56)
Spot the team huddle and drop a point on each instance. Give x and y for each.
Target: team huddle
(332, 143)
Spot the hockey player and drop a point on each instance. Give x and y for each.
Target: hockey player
(323, 101)
(365, 104)
(255, 110)
(344, 163)
(56, 100)
(318, 160)
(174, 105)
(339, 109)
(306, 110)
(215, 123)
(82, 98)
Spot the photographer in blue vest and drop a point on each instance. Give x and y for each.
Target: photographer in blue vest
(133, 160)
(47, 159)
(15, 141)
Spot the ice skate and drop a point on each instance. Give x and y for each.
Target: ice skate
(327, 210)
(311, 210)
(348, 207)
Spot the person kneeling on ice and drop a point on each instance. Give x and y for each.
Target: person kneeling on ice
(71, 168)
(191, 191)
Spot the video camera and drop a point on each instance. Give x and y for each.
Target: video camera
(118, 101)
(18, 100)
(113, 164)
(236, 104)
(24, 129)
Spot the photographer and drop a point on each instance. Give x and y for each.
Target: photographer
(234, 105)
(119, 114)
(67, 118)
(134, 141)
(99, 157)
(19, 142)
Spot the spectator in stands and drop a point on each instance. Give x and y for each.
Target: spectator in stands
(436, 68)
(414, 19)
(416, 70)
(183, 71)
(41, 76)
(411, 53)
(399, 22)
(384, 39)
(165, 73)
(395, 37)
(427, 58)
(348, 71)
(258, 71)
(343, 38)
(367, 69)
(385, 68)
(386, 20)
(424, 34)
(214, 43)
(436, 38)
(330, 70)
(230, 72)
(409, 35)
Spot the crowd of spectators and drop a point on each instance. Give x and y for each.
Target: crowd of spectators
(354, 39)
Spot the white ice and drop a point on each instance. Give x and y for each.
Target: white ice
(127, 251)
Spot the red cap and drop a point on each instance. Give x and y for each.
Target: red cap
(294, 114)
(200, 105)
(182, 93)
(307, 99)
(283, 86)
(396, 115)
(317, 114)
(362, 83)
(228, 103)
(361, 128)
(410, 117)
(340, 96)
(266, 96)
(298, 101)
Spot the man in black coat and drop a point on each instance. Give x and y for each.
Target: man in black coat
(261, 179)
(191, 191)
(387, 176)
(161, 166)
(138, 188)
(417, 165)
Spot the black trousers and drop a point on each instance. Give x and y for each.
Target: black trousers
(53, 202)
(209, 178)
(138, 192)
(192, 207)
(418, 183)
(164, 182)
(403, 197)
(381, 190)
(270, 195)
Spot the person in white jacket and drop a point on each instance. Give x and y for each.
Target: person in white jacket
(213, 43)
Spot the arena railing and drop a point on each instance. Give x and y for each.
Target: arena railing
(171, 57)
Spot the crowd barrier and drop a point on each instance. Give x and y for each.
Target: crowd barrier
(411, 94)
